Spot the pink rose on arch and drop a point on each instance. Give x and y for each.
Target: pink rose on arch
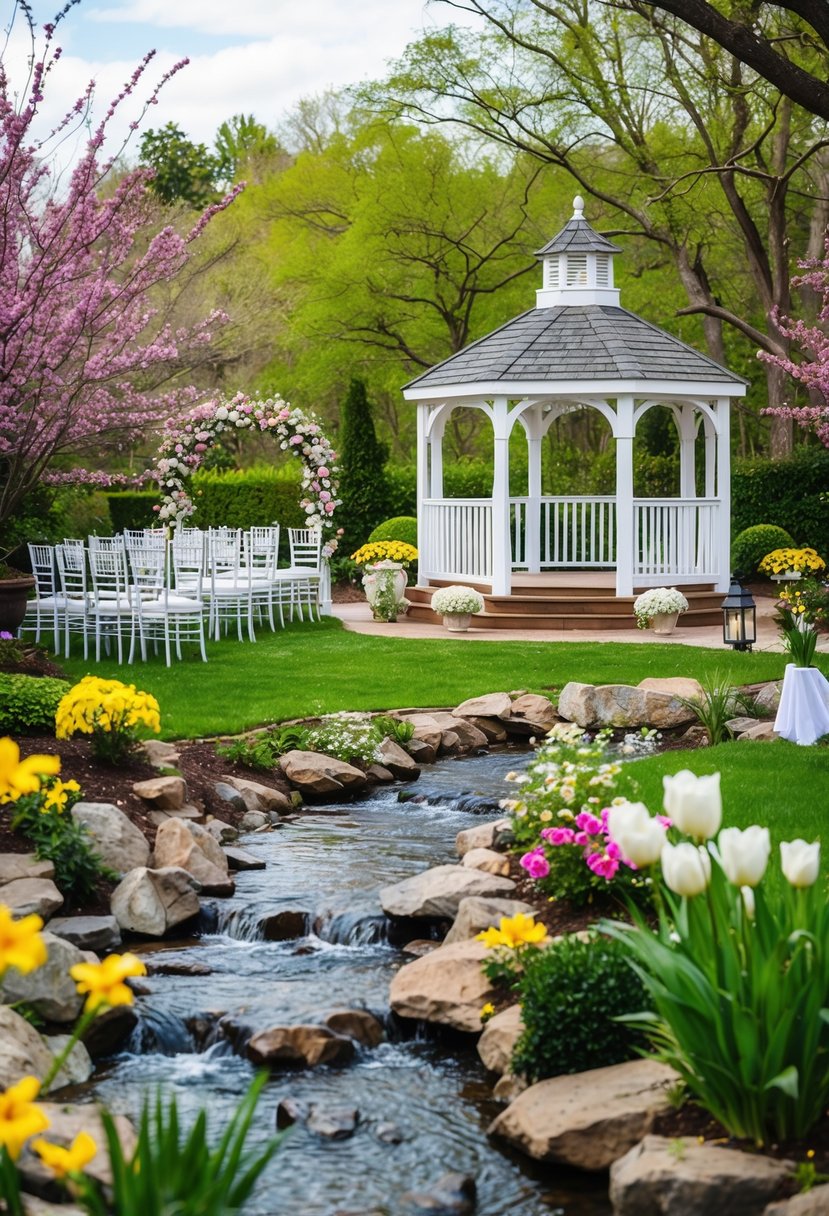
(535, 863)
(295, 439)
(322, 471)
(325, 496)
(201, 447)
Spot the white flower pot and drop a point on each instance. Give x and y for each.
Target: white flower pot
(664, 622)
(457, 622)
(373, 581)
(790, 576)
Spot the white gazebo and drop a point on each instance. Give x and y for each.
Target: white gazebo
(578, 348)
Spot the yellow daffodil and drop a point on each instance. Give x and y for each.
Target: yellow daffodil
(491, 937)
(21, 945)
(55, 797)
(104, 981)
(487, 1011)
(20, 1117)
(62, 1161)
(514, 931)
(18, 777)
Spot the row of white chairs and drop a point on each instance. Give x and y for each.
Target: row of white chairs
(141, 587)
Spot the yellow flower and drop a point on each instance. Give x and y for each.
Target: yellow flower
(20, 1118)
(492, 938)
(521, 930)
(18, 777)
(62, 1161)
(487, 1011)
(104, 981)
(57, 794)
(21, 945)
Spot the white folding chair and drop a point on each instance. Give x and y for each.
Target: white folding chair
(302, 577)
(74, 591)
(48, 601)
(261, 555)
(229, 583)
(111, 611)
(163, 613)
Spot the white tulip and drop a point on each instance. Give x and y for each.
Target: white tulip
(686, 868)
(638, 835)
(748, 901)
(744, 855)
(800, 862)
(693, 803)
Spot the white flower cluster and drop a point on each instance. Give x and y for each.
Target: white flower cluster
(456, 599)
(656, 600)
(187, 440)
(347, 736)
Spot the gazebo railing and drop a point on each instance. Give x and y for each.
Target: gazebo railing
(576, 530)
(455, 538)
(675, 538)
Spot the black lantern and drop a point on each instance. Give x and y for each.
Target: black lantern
(739, 617)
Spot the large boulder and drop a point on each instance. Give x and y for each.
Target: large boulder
(492, 729)
(653, 1179)
(27, 895)
(299, 1046)
(98, 933)
(479, 912)
(482, 836)
(767, 698)
(192, 848)
(50, 989)
(621, 705)
(116, 840)
(319, 776)
(23, 865)
(588, 1120)
(65, 1122)
(150, 902)
(397, 760)
(809, 1203)
(469, 737)
(436, 894)
(356, 1024)
(426, 730)
(446, 986)
(487, 860)
(531, 714)
(675, 686)
(164, 793)
(490, 705)
(22, 1050)
(259, 797)
(497, 1043)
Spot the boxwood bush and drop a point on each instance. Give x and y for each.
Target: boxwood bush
(570, 993)
(789, 493)
(28, 703)
(751, 546)
(402, 527)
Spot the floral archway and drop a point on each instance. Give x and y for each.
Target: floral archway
(187, 440)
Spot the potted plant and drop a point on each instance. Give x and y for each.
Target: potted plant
(789, 564)
(456, 605)
(384, 577)
(659, 608)
(14, 593)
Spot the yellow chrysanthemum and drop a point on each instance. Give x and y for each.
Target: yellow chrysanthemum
(19, 777)
(103, 983)
(20, 1117)
(62, 1161)
(21, 945)
(105, 705)
(56, 796)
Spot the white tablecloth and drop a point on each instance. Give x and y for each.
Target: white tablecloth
(803, 715)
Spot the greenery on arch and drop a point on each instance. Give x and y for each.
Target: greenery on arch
(188, 439)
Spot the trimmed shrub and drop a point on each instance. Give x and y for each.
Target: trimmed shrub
(239, 498)
(28, 703)
(132, 509)
(786, 493)
(361, 461)
(402, 527)
(570, 993)
(751, 546)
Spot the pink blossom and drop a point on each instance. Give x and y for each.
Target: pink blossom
(582, 838)
(588, 823)
(602, 865)
(535, 863)
(322, 471)
(558, 835)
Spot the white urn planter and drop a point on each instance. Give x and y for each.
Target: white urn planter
(664, 622)
(457, 622)
(382, 581)
(790, 576)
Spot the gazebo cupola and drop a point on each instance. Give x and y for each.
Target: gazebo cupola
(578, 265)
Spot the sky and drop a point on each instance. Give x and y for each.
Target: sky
(246, 56)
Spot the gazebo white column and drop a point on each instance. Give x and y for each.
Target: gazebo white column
(422, 475)
(687, 452)
(710, 457)
(436, 457)
(624, 428)
(534, 427)
(724, 491)
(501, 547)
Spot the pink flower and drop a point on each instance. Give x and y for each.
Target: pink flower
(588, 823)
(295, 439)
(582, 838)
(322, 471)
(602, 865)
(664, 820)
(329, 508)
(535, 863)
(558, 835)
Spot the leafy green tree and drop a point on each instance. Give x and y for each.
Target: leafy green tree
(242, 143)
(362, 457)
(184, 171)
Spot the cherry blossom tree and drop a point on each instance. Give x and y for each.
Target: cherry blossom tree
(812, 370)
(86, 358)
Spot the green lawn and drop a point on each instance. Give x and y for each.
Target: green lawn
(309, 669)
(778, 785)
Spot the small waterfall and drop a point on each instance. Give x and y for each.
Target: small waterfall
(352, 928)
(161, 1032)
(250, 925)
(467, 801)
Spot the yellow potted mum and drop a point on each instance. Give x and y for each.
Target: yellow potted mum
(783, 564)
(384, 565)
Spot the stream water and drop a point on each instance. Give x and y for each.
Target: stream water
(330, 864)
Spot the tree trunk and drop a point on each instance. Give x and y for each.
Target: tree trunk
(781, 437)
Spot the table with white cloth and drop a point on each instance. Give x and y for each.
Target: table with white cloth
(803, 715)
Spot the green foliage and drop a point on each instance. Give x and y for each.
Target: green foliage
(714, 708)
(81, 511)
(184, 171)
(263, 750)
(752, 544)
(570, 994)
(394, 728)
(401, 527)
(788, 493)
(347, 736)
(28, 703)
(361, 461)
(239, 498)
(240, 140)
(171, 1171)
(59, 838)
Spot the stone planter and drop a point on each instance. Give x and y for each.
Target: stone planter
(664, 622)
(14, 592)
(457, 622)
(376, 580)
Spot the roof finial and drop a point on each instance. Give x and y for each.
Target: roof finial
(578, 207)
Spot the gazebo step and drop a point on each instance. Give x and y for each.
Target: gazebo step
(563, 620)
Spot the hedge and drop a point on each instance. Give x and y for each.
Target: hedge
(786, 493)
(236, 499)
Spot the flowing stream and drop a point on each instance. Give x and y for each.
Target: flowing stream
(329, 865)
